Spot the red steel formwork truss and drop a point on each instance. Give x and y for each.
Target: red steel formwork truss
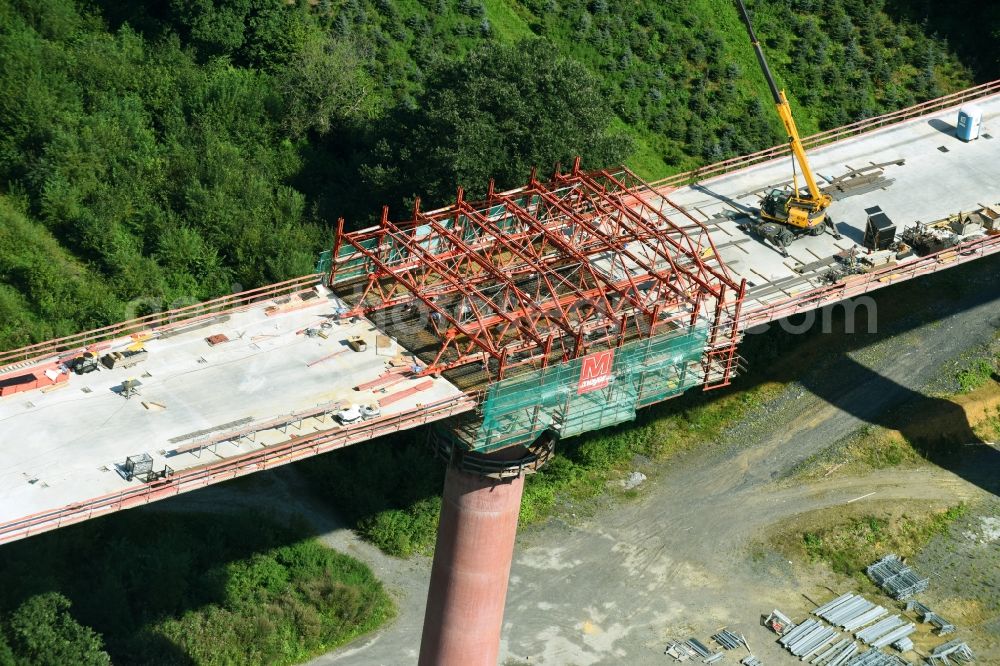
(546, 273)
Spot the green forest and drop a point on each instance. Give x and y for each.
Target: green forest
(157, 153)
(153, 154)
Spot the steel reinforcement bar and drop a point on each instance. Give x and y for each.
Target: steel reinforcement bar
(223, 470)
(856, 285)
(159, 320)
(828, 136)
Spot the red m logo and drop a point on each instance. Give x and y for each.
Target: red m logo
(595, 372)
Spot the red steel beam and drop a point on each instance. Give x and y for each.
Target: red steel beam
(616, 245)
(560, 236)
(583, 262)
(535, 263)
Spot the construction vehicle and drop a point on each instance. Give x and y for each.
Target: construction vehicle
(83, 364)
(125, 359)
(139, 341)
(786, 215)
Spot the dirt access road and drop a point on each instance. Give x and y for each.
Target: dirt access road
(612, 587)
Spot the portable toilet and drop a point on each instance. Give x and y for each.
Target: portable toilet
(970, 121)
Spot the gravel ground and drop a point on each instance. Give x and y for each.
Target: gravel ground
(616, 585)
(964, 567)
(684, 558)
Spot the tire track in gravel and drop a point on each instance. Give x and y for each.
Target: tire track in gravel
(611, 588)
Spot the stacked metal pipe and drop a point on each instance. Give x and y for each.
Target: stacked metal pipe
(952, 652)
(807, 638)
(893, 628)
(837, 654)
(897, 579)
(850, 611)
(875, 657)
(728, 639)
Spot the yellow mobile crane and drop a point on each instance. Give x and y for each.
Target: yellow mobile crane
(798, 212)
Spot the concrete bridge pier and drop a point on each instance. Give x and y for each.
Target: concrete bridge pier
(472, 558)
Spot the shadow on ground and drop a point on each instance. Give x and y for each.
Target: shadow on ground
(379, 481)
(136, 577)
(141, 565)
(937, 428)
(943, 127)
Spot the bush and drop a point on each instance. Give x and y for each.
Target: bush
(975, 375)
(43, 633)
(851, 545)
(169, 588)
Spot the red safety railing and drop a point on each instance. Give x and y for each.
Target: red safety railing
(158, 320)
(829, 136)
(756, 314)
(199, 477)
(241, 300)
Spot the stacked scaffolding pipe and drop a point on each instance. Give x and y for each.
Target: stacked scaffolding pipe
(836, 606)
(844, 656)
(829, 637)
(863, 619)
(856, 609)
(807, 635)
(679, 651)
(728, 639)
(895, 635)
(899, 580)
(832, 604)
(903, 645)
(831, 652)
(875, 657)
(849, 610)
(806, 645)
(879, 629)
(698, 647)
(797, 632)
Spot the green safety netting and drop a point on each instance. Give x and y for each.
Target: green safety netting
(324, 262)
(517, 410)
(349, 270)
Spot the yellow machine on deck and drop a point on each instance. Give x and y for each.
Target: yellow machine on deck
(139, 341)
(800, 212)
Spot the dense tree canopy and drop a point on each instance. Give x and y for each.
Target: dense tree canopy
(495, 114)
(155, 153)
(164, 588)
(41, 632)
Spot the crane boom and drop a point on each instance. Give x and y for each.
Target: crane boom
(784, 112)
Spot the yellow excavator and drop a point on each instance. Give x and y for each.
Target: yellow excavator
(796, 211)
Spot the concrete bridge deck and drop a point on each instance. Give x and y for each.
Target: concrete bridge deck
(265, 397)
(939, 175)
(199, 405)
